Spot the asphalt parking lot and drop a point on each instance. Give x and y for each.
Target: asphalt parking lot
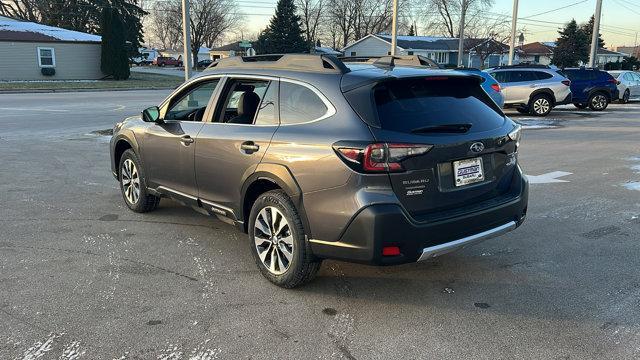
(81, 276)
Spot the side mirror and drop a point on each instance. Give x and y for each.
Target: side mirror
(151, 114)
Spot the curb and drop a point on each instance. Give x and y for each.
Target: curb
(36, 91)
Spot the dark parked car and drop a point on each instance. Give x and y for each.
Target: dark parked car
(204, 63)
(591, 88)
(317, 159)
(166, 60)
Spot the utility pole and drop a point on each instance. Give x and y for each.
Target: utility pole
(461, 34)
(514, 20)
(186, 39)
(394, 28)
(595, 35)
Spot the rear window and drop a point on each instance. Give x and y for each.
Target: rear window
(576, 75)
(542, 75)
(406, 105)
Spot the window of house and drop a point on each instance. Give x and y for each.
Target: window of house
(46, 57)
(299, 104)
(409, 52)
(353, 53)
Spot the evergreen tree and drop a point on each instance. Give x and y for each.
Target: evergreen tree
(120, 56)
(588, 30)
(284, 34)
(114, 60)
(106, 50)
(412, 32)
(572, 47)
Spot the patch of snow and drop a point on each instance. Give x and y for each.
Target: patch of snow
(55, 32)
(632, 185)
(40, 348)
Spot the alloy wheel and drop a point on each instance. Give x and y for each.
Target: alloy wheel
(599, 102)
(541, 106)
(273, 240)
(625, 97)
(130, 181)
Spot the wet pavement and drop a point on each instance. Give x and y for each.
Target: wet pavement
(83, 277)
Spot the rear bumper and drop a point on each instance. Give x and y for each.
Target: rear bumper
(377, 226)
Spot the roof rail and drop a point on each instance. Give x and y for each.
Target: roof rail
(523, 65)
(294, 62)
(391, 61)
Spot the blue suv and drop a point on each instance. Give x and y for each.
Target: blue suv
(591, 87)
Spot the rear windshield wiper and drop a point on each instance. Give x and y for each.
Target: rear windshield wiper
(447, 128)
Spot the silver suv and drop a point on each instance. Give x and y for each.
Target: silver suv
(532, 89)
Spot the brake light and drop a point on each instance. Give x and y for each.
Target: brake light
(380, 157)
(495, 87)
(614, 81)
(566, 82)
(390, 251)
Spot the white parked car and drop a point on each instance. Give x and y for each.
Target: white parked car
(628, 85)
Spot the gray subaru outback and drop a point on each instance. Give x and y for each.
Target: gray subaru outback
(318, 159)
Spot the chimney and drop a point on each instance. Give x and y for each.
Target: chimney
(521, 40)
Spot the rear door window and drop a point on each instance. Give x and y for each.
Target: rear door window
(501, 76)
(542, 75)
(299, 104)
(409, 105)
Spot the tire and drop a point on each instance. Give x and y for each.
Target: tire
(625, 97)
(130, 169)
(162, 64)
(270, 252)
(598, 101)
(580, 105)
(540, 105)
(522, 110)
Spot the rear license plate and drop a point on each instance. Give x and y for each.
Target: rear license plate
(468, 171)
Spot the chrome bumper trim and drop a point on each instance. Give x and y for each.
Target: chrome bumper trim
(441, 249)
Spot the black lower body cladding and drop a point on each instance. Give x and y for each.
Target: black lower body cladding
(382, 225)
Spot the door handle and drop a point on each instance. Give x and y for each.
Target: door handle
(186, 140)
(249, 147)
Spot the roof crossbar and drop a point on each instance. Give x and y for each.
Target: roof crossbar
(294, 62)
(391, 61)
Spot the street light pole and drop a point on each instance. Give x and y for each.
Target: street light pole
(461, 34)
(595, 35)
(186, 39)
(514, 20)
(394, 28)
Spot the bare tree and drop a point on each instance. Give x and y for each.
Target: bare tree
(162, 33)
(210, 21)
(310, 13)
(443, 16)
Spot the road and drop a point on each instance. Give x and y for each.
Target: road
(83, 277)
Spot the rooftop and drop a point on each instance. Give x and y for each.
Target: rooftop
(12, 30)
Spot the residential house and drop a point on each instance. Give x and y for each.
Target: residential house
(442, 50)
(32, 51)
(631, 50)
(231, 49)
(608, 56)
(536, 52)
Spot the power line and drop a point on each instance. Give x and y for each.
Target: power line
(550, 11)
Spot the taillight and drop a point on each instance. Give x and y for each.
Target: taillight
(614, 81)
(566, 82)
(380, 157)
(495, 87)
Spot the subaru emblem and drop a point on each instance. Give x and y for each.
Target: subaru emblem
(477, 147)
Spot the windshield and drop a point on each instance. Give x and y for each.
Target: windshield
(412, 105)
